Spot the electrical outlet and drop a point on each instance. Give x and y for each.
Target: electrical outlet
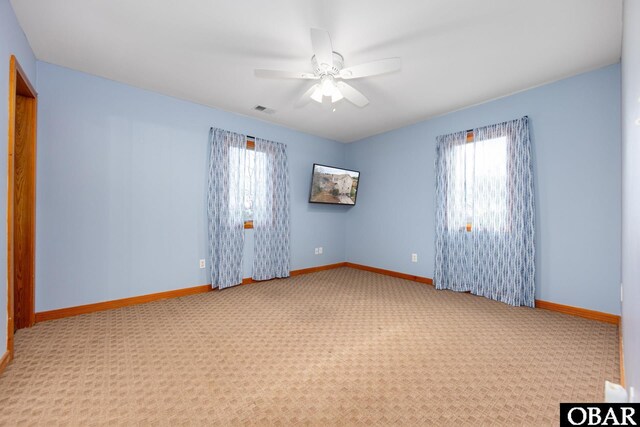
(317, 251)
(414, 257)
(202, 263)
(320, 250)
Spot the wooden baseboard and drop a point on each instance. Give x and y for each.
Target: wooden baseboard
(580, 312)
(566, 309)
(621, 350)
(4, 361)
(108, 305)
(319, 268)
(411, 277)
(249, 280)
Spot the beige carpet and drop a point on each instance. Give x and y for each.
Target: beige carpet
(339, 347)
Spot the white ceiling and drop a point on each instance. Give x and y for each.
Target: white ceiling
(455, 53)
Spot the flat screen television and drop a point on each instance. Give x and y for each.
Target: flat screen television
(334, 186)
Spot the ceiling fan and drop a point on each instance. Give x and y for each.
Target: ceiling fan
(328, 68)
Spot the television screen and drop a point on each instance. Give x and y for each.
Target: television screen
(334, 186)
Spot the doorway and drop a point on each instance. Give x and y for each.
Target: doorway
(21, 198)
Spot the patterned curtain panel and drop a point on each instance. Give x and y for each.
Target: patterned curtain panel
(452, 263)
(225, 206)
(485, 213)
(271, 211)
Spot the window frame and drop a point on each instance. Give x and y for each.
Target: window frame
(471, 139)
(251, 145)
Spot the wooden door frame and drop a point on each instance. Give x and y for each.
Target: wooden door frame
(19, 85)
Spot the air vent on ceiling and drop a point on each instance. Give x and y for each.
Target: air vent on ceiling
(264, 109)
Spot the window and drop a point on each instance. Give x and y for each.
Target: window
(249, 165)
(483, 170)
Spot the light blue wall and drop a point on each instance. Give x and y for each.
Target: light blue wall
(631, 195)
(12, 42)
(575, 129)
(121, 196)
(121, 189)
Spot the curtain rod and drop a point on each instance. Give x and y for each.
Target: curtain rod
(471, 130)
(248, 136)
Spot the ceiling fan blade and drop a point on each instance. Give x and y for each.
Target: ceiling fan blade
(322, 49)
(306, 97)
(352, 94)
(374, 68)
(282, 74)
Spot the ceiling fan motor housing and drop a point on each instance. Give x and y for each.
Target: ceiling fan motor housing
(320, 70)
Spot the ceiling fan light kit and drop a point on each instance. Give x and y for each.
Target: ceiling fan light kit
(328, 68)
(317, 94)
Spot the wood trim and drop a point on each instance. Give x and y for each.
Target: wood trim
(4, 360)
(579, 312)
(24, 87)
(566, 309)
(621, 351)
(251, 145)
(249, 280)
(391, 273)
(24, 198)
(107, 305)
(11, 136)
(318, 268)
(43, 316)
(20, 86)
